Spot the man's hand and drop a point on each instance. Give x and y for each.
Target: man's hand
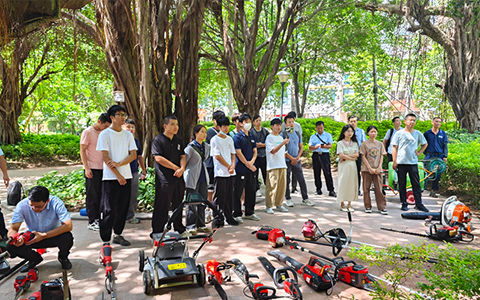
(179, 172)
(318, 146)
(394, 165)
(378, 171)
(122, 180)
(38, 237)
(19, 241)
(286, 141)
(143, 175)
(445, 159)
(231, 169)
(6, 180)
(417, 153)
(88, 173)
(294, 161)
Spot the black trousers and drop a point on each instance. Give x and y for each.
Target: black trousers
(359, 167)
(322, 162)
(166, 193)
(244, 181)
(63, 242)
(93, 188)
(389, 157)
(412, 171)
(3, 229)
(195, 214)
(261, 164)
(223, 196)
(211, 178)
(114, 208)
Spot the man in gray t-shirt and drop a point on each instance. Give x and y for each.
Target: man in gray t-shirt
(405, 155)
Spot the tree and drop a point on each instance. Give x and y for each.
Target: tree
(455, 28)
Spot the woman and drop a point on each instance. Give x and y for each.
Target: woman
(195, 176)
(347, 150)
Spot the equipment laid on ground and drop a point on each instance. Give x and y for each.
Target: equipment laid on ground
(106, 260)
(55, 289)
(214, 276)
(444, 233)
(315, 272)
(282, 279)
(12, 270)
(455, 213)
(22, 283)
(170, 263)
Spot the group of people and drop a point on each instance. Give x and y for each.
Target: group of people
(220, 164)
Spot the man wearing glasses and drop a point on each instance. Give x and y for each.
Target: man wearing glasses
(46, 216)
(118, 150)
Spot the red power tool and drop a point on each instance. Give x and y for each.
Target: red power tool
(22, 283)
(27, 236)
(215, 277)
(106, 260)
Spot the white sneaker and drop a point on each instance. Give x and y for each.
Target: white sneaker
(192, 231)
(269, 210)
(94, 226)
(208, 216)
(368, 210)
(186, 234)
(282, 208)
(289, 203)
(239, 219)
(308, 202)
(252, 217)
(259, 194)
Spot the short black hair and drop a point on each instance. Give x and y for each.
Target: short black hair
(371, 127)
(235, 117)
(103, 118)
(255, 117)
(38, 194)
(243, 117)
(293, 114)
(394, 118)
(351, 117)
(288, 116)
(434, 118)
(275, 121)
(130, 121)
(114, 109)
(411, 115)
(223, 121)
(167, 119)
(217, 114)
(319, 123)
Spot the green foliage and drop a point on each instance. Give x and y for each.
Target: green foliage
(454, 276)
(462, 136)
(70, 188)
(38, 147)
(146, 191)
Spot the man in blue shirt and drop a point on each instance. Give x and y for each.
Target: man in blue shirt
(361, 137)
(47, 217)
(437, 148)
(246, 151)
(294, 165)
(405, 155)
(321, 143)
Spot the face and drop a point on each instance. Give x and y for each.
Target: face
(225, 128)
(244, 124)
(119, 117)
(38, 206)
(320, 128)
(397, 122)
(276, 128)
(290, 123)
(410, 121)
(372, 133)
(349, 133)
(437, 122)
(171, 127)
(129, 127)
(201, 135)
(353, 122)
(258, 122)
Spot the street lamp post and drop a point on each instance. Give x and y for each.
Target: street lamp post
(283, 77)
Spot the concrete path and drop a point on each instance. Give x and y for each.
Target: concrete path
(87, 275)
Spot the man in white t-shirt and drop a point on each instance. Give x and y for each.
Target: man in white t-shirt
(118, 149)
(276, 168)
(223, 154)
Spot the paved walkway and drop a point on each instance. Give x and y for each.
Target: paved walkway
(87, 275)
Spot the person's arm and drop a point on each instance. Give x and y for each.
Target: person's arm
(166, 163)
(3, 167)
(424, 146)
(311, 145)
(83, 158)
(300, 150)
(394, 156)
(64, 227)
(242, 158)
(183, 164)
(254, 158)
(277, 148)
(365, 160)
(445, 147)
(131, 157)
(234, 161)
(141, 162)
(379, 169)
(13, 230)
(222, 161)
(107, 159)
(260, 145)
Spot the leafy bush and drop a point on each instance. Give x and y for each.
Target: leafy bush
(39, 147)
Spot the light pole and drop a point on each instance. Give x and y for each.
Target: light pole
(283, 77)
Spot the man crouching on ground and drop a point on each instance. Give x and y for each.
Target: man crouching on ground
(47, 217)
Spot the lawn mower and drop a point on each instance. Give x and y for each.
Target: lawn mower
(170, 264)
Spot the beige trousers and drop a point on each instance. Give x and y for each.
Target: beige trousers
(275, 189)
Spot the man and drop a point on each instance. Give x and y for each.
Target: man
(297, 128)
(138, 161)
(223, 153)
(321, 143)
(118, 150)
(260, 135)
(405, 160)
(361, 137)
(246, 151)
(47, 217)
(387, 140)
(170, 163)
(211, 132)
(6, 181)
(235, 122)
(294, 152)
(437, 148)
(92, 161)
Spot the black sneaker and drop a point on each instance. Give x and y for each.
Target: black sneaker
(332, 194)
(294, 191)
(66, 264)
(233, 222)
(421, 208)
(120, 240)
(404, 207)
(30, 265)
(319, 192)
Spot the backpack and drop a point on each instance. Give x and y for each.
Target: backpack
(14, 193)
(389, 139)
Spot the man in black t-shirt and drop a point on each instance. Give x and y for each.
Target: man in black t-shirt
(170, 163)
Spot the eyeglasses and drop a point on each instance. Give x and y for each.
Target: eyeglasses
(122, 115)
(35, 207)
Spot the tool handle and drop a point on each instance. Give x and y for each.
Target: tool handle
(349, 214)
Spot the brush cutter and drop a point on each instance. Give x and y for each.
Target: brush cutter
(106, 261)
(215, 277)
(282, 279)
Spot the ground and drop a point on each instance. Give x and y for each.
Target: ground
(87, 275)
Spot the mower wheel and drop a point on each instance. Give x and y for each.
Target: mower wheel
(201, 279)
(141, 260)
(147, 282)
